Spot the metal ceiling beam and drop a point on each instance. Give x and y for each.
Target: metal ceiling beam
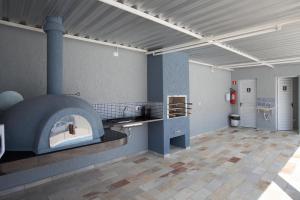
(240, 34)
(202, 43)
(209, 65)
(150, 17)
(229, 48)
(201, 63)
(231, 67)
(147, 16)
(21, 26)
(255, 64)
(16, 25)
(198, 44)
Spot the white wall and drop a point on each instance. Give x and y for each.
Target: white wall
(266, 85)
(207, 93)
(93, 71)
(90, 69)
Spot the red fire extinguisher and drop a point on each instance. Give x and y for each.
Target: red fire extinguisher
(233, 96)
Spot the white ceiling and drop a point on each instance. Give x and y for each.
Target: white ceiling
(97, 20)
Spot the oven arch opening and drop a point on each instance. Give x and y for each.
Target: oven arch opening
(70, 129)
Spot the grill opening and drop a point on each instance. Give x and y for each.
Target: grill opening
(177, 106)
(71, 129)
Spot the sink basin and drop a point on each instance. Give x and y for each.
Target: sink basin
(132, 125)
(264, 109)
(121, 120)
(127, 122)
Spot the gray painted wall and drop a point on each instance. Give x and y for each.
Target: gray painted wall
(22, 61)
(207, 93)
(89, 69)
(93, 71)
(266, 85)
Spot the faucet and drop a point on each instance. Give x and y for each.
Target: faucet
(2, 140)
(124, 111)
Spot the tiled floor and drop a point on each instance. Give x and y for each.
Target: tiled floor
(228, 164)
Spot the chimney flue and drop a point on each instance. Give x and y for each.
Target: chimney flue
(54, 29)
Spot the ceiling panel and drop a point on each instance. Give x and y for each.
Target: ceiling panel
(284, 43)
(215, 55)
(211, 17)
(96, 20)
(91, 18)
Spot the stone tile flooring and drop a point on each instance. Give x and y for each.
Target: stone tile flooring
(228, 164)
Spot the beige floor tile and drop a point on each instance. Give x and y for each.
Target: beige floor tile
(228, 164)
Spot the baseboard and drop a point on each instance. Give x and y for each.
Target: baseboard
(209, 132)
(158, 154)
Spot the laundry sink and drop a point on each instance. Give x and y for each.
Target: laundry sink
(121, 120)
(127, 122)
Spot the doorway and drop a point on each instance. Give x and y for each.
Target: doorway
(247, 103)
(287, 104)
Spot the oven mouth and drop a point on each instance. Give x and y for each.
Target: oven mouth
(69, 130)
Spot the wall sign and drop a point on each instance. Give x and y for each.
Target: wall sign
(284, 88)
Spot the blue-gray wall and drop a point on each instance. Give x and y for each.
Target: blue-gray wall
(266, 86)
(90, 69)
(176, 82)
(168, 75)
(207, 92)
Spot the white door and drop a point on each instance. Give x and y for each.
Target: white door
(285, 104)
(247, 103)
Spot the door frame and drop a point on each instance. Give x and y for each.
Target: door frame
(239, 96)
(277, 96)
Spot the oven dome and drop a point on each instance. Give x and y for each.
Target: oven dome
(28, 124)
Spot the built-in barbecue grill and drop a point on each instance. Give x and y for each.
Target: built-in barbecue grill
(54, 121)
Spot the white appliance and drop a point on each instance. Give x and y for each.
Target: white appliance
(2, 140)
